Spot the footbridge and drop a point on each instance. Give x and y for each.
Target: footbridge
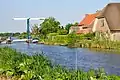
(19, 40)
(15, 41)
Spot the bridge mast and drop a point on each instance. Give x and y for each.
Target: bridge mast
(28, 29)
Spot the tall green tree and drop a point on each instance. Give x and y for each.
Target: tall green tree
(50, 25)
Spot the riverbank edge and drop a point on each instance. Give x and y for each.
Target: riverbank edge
(83, 45)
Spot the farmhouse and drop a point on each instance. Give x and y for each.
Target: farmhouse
(106, 20)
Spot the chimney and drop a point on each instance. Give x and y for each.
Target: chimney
(86, 14)
(98, 10)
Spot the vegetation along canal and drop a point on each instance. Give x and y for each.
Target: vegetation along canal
(73, 57)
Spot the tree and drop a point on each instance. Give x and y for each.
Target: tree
(23, 35)
(50, 25)
(76, 24)
(72, 39)
(16, 34)
(35, 29)
(67, 27)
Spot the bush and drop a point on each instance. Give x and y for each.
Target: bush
(62, 32)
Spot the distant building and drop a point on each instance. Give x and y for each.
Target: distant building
(107, 21)
(85, 26)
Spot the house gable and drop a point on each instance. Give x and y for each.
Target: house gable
(112, 14)
(86, 24)
(100, 25)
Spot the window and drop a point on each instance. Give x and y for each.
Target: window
(84, 27)
(102, 23)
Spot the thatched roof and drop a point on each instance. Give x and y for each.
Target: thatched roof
(112, 14)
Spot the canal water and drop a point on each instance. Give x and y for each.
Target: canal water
(73, 57)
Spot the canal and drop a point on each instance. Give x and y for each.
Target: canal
(73, 57)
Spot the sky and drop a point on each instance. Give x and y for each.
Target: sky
(65, 11)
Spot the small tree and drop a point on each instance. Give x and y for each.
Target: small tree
(76, 24)
(72, 39)
(67, 27)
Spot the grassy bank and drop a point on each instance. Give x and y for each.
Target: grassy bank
(82, 41)
(15, 65)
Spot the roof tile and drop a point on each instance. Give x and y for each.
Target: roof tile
(88, 19)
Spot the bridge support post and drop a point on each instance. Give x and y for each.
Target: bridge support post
(28, 30)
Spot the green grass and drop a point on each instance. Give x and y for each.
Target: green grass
(16, 65)
(82, 41)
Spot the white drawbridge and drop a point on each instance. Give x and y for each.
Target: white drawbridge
(28, 24)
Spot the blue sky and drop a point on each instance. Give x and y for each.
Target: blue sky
(66, 11)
